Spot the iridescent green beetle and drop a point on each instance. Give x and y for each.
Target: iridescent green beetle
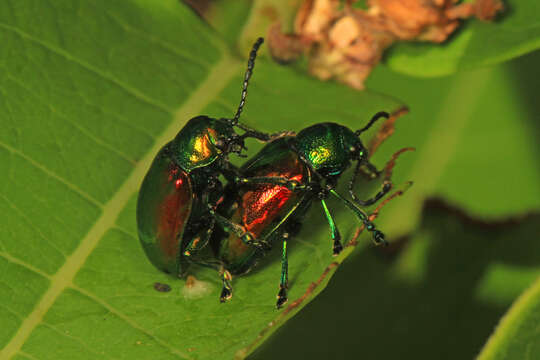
(275, 188)
(182, 184)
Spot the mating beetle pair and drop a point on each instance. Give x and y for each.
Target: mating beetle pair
(264, 200)
(173, 207)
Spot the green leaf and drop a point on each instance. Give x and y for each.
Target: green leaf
(477, 44)
(516, 337)
(436, 294)
(89, 92)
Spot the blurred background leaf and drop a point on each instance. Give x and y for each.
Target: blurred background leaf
(516, 336)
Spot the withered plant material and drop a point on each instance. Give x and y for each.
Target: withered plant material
(345, 43)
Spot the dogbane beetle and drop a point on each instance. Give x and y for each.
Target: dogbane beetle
(276, 187)
(173, 217)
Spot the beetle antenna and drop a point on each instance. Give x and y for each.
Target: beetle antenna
(249, 71)
(377, 116)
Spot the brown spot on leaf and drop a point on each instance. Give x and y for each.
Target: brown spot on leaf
(162, 287)
(190, 281)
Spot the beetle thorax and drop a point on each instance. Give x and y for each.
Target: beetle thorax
(325, 147)
(195, 145)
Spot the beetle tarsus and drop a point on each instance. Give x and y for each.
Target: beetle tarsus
(226, 294)
(379, 238)
(337, 248)
(281, 297)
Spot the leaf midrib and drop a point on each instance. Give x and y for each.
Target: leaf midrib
(217, 79)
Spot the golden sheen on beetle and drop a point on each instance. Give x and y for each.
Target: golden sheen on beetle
(182, 186)
(276, 188)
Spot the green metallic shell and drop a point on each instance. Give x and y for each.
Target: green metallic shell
(327, 147)
(164, 206)
(172, 207)
(194, 145)
(264, 209)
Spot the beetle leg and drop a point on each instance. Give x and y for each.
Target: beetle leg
(378, 236)
(284, 280)
(371, 172)
(274, 180)
(226, 291)
(199, 242)
(336, 236)
(204, 226)
(263, 136)
(387, 186)
(240, 231)
(368, 170)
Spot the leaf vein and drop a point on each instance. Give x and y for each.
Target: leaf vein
(32, 225)
(130, 322)
(53, 175)
(108, 77)
(63, 116)
(76, 339)
(156, 41)
(24, 264)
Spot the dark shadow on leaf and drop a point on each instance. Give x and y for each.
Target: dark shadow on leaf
(421, 305)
